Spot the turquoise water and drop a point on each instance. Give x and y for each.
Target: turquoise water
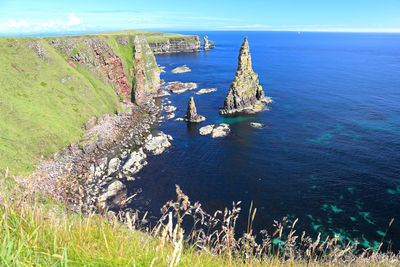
(330, 153)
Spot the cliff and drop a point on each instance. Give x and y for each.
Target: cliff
(146, 74)
(50, 87)
(245, 94)
(208, 44)
(185, 44)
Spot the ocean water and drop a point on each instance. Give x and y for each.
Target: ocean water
(330, 154)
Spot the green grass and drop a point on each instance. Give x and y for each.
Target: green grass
(39, 113)
(37, 231)
(152, 37)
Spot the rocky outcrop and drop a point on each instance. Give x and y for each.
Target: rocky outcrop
(146, 74)
(256, 125)
(169, 109)
(245, 94)
(179, 87)
(216, 131)
(181, 69)
(113, 197)
(184, 44)
(157, 142)
(206, 91)
(191, 114)
(208, 44)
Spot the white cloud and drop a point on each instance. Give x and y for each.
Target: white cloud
(74, 20)
(40, 26)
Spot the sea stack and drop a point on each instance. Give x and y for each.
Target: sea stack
(245, 94)
(207, 43)
(191, 114)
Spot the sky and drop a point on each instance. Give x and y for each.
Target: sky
(56, 16)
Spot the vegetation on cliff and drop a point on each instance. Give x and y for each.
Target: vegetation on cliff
(50, 87)
(146, 74)
(44, 101)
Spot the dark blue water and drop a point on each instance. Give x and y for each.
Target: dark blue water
(330, 155)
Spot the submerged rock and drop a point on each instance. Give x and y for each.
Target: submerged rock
(191, 114)
(245, 93)
(206, 91)
(179, 87)
(216, 131)
(207, 43)
(181, 69)
(157, 142)
(256, 125)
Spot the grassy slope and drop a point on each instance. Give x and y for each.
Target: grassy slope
(39, 113)
(150, 36)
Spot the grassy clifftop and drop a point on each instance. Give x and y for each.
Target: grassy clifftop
(49, 88)
(44, 101)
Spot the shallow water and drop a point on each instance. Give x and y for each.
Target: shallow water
(330, 153)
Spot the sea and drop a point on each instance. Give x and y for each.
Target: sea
(329, 154)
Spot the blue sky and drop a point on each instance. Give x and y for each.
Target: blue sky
(41, 16)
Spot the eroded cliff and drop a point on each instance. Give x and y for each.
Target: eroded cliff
(245, 94)
(52, 86)
(186, 44)
(146, 74)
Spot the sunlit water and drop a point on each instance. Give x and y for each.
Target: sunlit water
(330, 154)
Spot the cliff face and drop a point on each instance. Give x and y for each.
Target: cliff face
(245, 93)
(176, 45)
(208, 44)
(52, 86)
(94, 54)
(146, 74)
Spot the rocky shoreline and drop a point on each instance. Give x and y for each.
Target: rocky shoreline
(85, 174)
(91, 175)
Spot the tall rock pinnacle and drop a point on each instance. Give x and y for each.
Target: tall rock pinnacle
(245, 94)
(191, 114)
(207, 43)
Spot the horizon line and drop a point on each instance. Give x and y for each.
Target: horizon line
(37, 34)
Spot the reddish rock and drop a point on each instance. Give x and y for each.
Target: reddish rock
(72, 64)
(112, 67)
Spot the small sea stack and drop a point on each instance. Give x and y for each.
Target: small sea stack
(245, 94)
(208, 44)
(191, 114)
